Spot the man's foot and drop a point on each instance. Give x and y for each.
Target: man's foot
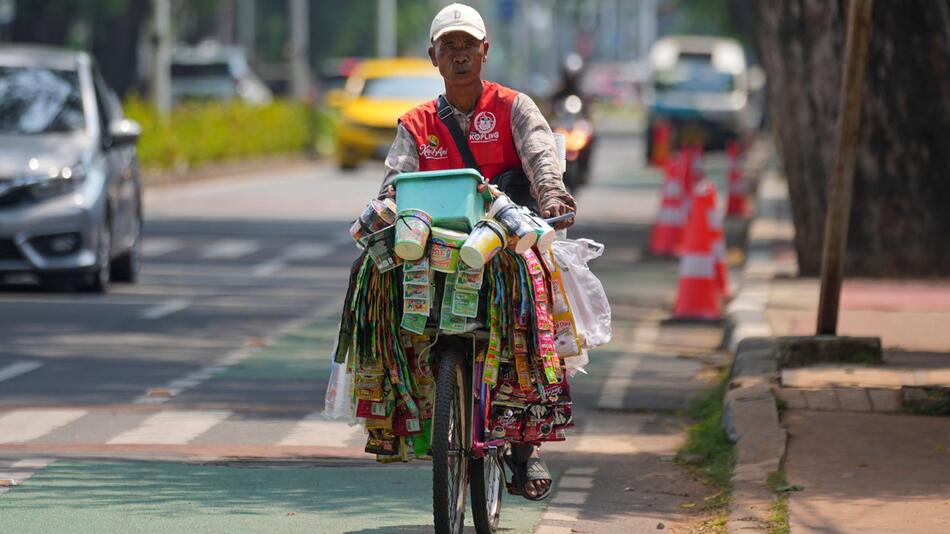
(538, 484)
(531, 474)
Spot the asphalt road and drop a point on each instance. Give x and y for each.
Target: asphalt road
(191, 399)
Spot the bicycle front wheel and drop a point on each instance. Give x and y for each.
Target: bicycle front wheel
(449, 458)
(488, 478)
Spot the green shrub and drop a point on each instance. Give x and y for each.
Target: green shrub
(201, 132)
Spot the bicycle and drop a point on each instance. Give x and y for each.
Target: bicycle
(461, 458)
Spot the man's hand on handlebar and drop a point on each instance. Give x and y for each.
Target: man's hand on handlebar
(555, 207)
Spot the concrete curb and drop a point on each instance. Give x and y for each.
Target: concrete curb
(749, 408)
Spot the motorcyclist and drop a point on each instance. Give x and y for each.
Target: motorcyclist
(572, 70)
(505, 132)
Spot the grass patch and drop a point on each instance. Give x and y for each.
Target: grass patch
(778, 521)
(710, 453)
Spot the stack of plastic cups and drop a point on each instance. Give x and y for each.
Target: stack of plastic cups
(517, 225)
(544, 231)
(377, 215)
(412, 233)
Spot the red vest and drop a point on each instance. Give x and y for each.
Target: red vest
(489, 135)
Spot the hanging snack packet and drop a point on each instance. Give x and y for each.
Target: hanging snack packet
(449, 322)
(382, 442)
(470, 280)
(368, 385)
(465, 303)
(414, 322)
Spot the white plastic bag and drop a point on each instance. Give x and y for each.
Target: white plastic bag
(584, 291)
(338, 402)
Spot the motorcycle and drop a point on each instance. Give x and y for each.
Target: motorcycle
(570, 120)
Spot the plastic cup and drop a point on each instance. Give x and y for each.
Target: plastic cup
(543, 230)
(486, 240)
(412, 233)
(513, 219)
(377, 215)
(444, 246)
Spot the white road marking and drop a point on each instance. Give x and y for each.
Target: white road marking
(269, 268)
(171, 428)
(625, 366)
(569, 497)
(155, 246)
(618, 381)
(230, 249)
(308, 251)
(575, 482)
(18, 368)
(303, 250)
(20, 426)
(32, 463)
(585, 471)
(165, 309)
(315, 431)
(29, 468)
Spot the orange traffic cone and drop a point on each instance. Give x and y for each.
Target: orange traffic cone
(662, 135)
(698, 295)
(672, 217)
(693, 171)
(718, 238)
(737, 203)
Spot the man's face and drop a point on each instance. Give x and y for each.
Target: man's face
(459, 57)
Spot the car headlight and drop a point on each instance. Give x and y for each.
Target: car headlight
(59, 182)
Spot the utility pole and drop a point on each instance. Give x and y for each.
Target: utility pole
(386, 28)
(842, 184)
(647, 29)
(247, 34)
(161, 56)
(300, 49)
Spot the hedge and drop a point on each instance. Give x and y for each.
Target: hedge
(200, 132)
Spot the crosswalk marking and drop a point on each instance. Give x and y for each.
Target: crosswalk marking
(230, 249)
(315, 431)
(625, 366)
(18, 368)
(165, 309)
(575, 482)
(171, 428)
(21, 426)
(569, 497)
(307, 251)
(156, 246)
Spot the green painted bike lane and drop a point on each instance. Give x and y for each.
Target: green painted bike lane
(93, 496)
(159, 497)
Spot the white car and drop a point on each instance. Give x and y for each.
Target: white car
(702, 83)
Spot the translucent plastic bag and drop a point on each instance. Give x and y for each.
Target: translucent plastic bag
(338, 402)
(585, 293)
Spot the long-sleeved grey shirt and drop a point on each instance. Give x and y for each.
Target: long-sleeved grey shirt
(533, 141)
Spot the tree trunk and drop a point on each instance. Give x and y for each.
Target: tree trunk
(900, 217)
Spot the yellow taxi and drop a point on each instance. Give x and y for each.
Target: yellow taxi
(377, 93)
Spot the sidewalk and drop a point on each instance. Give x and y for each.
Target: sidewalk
(858, 472)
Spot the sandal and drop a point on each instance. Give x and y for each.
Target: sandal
(536, 469)
(529, 470)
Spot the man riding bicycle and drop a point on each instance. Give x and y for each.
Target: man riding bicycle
(506, 134)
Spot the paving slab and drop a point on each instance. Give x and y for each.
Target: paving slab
(868, 473)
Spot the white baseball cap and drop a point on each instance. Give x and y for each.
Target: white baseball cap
(457, 17)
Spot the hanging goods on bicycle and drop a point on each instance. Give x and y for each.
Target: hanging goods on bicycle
(463, 350)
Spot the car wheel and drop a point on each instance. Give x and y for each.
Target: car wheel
(125, 268)
(97, 281)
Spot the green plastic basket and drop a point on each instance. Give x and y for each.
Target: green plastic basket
(449, 197)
